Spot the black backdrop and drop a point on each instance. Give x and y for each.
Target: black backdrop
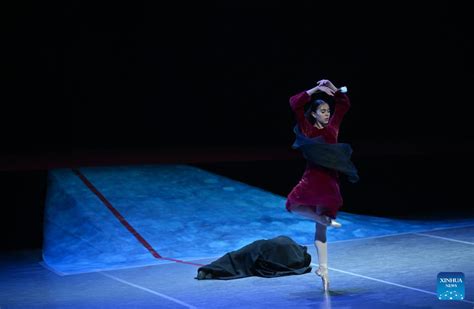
(141, 76)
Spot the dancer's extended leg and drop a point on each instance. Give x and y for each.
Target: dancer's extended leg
(310, 212)
(320, 243)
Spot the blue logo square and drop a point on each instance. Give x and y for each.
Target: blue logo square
(451, 286)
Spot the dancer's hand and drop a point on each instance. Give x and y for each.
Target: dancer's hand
(327, 83)
(321, 88)
(326, 90)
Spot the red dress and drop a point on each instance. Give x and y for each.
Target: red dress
(319, 186)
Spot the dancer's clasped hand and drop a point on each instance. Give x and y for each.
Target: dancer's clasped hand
(325, 89)
(325, 86)
(328, 84)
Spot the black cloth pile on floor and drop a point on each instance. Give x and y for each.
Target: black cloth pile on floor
(279, 256)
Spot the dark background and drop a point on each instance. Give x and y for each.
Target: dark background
(144, 83)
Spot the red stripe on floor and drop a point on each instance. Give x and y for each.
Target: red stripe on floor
(124, 222)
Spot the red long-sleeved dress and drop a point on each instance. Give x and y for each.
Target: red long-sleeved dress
(319, 186)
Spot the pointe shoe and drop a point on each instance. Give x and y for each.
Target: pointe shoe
(327, 221)
(203, 275)
(334, 223)
(323, 273)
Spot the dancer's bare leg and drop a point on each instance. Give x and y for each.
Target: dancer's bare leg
(320, 242)
(310, 212)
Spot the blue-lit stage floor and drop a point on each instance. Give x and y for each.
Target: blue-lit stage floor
(105, 226)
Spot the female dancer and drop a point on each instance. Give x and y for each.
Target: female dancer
(317, 195)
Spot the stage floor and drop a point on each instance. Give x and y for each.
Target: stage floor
(190, 217)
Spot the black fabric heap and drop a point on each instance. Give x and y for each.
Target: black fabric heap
(279, 256)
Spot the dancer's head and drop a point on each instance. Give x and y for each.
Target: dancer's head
(318, 112)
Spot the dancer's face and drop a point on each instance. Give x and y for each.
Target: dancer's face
(322, 114)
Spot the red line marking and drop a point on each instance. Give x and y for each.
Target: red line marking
(124, 222)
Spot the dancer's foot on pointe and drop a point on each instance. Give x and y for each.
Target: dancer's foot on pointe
(323, 273)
